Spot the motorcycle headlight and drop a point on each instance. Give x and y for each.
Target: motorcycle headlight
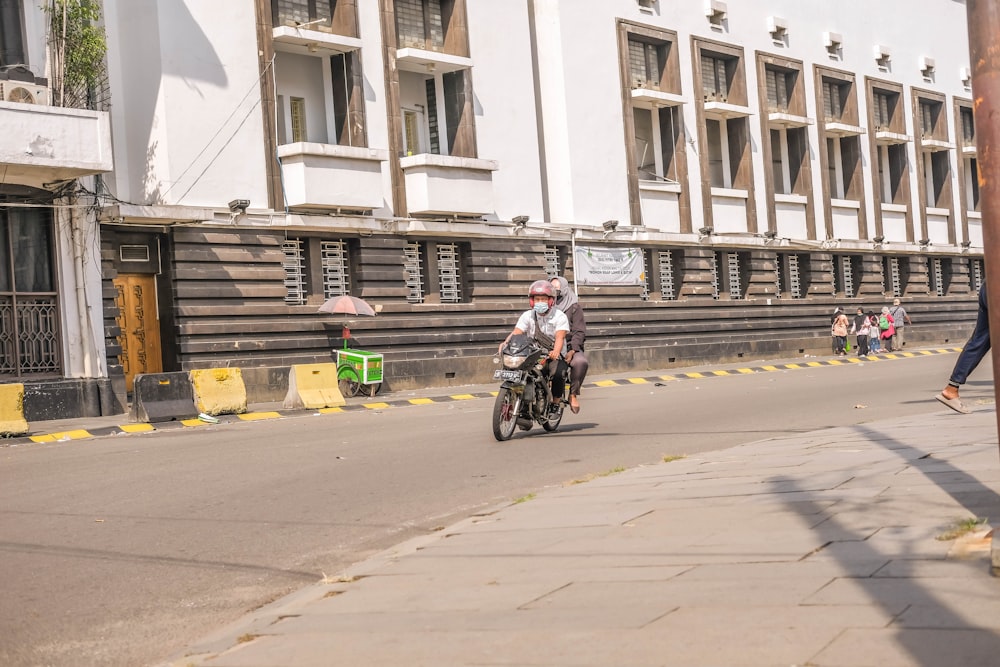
(513, 361)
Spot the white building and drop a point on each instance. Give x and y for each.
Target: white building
(436, 156)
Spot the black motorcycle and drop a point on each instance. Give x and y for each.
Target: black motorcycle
(525, 396)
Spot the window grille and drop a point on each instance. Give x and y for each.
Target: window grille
(789, 276)
(777, 89)
(714, 81)
(295, 272)
(937, 276)
(336, 273)
(413, 265)
(644, 64)
(733, 274)
(895, 284)
(847, 275)
(293, 12)
(833, 100)
(716, 288)
(976, 273)
(882, 116)
(552, 268)
(668, 286)
(411, 28)
(968, 127)
(449, 272)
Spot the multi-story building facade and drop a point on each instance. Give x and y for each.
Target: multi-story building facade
(757, 162)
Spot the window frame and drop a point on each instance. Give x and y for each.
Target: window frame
(890, 156)
(935, 187)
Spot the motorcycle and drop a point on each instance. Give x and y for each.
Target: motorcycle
(525, 395)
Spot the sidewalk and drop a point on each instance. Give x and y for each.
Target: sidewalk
(814, 549)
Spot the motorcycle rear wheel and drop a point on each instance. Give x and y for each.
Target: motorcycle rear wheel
(505, 414)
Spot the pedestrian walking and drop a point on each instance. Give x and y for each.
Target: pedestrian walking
(839, 331)
(899, 319)
(885, 325)
(973, 352)
(874, 345)
(567, 301)
(860, 328)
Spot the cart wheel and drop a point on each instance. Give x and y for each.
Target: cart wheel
(350, 383)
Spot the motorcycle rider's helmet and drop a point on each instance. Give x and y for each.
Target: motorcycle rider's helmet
(541, 288)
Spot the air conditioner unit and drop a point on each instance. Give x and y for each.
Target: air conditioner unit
(23, 92)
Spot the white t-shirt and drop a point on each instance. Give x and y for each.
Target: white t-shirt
(551, 322)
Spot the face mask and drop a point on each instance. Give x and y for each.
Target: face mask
(541, 308)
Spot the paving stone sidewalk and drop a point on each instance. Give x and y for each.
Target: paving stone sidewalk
(812, 549)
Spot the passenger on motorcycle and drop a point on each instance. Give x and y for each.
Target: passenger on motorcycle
(549, 326)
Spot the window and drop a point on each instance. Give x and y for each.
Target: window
(929, 114)
(297, 106)
(436, 272)
(669, 267)
(792, 275)
(891, 172)
(656, 135)
(968, 126)
(934, 157)
(884, 108)
(555, 260)
(11, 38)
(975, 274)
(834, 97)
(847, 275)
(779, 83)
(294, 265)
(449, 261)
(716, 76)
(438, 114)
(296, 12)
(893, 282)
(732, 274)
(336, 268)
(29, 307)
(647, 62)
(935, 273)
(413, 265)
(420, 24)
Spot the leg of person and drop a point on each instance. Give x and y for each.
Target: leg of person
(557, 369)
(973, 353)
(577, 372)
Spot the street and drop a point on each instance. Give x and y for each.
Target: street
(121, 551)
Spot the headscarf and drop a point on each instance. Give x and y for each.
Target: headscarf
(885, 310)
(567, 297)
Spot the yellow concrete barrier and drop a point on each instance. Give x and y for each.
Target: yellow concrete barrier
(12, 410)
(313, 386)
(219, 391)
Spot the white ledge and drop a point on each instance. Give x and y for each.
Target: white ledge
(970, 151)
(943, 212)
(158, 213)
(730, 193)
(659, 186)
(422, 61)
(649, 98)
(311, 42)
(725, 110)
(934, 145)
(791, 199)
(974, 215)
(788, 120)
(845, 203)
(449, 161)
(887, 137)
(843, 129)
(332, 150)
(895, 208)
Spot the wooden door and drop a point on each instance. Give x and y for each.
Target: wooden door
(139, 322)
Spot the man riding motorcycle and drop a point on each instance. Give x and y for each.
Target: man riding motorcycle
(548, 326)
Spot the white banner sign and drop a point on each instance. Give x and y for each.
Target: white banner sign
(608, 266)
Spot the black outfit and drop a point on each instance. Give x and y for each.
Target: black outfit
(862, 339)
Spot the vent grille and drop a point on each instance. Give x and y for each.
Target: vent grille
(336, 277)
(134, 253)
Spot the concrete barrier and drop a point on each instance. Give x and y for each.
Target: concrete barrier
(219, 391)
(12, 422)
(161, 397)
(313, 386)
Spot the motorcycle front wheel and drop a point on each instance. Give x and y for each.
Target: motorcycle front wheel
(505, 414)
(552, 423)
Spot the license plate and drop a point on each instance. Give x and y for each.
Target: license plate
(504, 374)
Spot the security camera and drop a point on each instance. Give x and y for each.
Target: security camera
(520, 220)
(239, 206)
(610, 225)
(706, 231)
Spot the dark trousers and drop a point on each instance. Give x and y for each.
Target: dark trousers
(976, 348)
(557, 371)
(863, 345)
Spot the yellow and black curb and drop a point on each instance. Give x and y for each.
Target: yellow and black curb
(124, 429)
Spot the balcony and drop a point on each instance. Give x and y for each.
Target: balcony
(421, 61)
(447, 185)
(330, 177)
(650, 98)
(43, 145)
(312, 42)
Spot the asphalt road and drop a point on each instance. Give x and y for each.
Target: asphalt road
(121, 551)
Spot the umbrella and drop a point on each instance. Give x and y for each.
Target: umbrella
(347, 305)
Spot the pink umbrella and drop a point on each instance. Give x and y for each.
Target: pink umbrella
(347, 305)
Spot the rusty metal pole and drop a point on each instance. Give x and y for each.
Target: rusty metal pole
(984, 56)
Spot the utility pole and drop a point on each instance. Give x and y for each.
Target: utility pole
(984, 55)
